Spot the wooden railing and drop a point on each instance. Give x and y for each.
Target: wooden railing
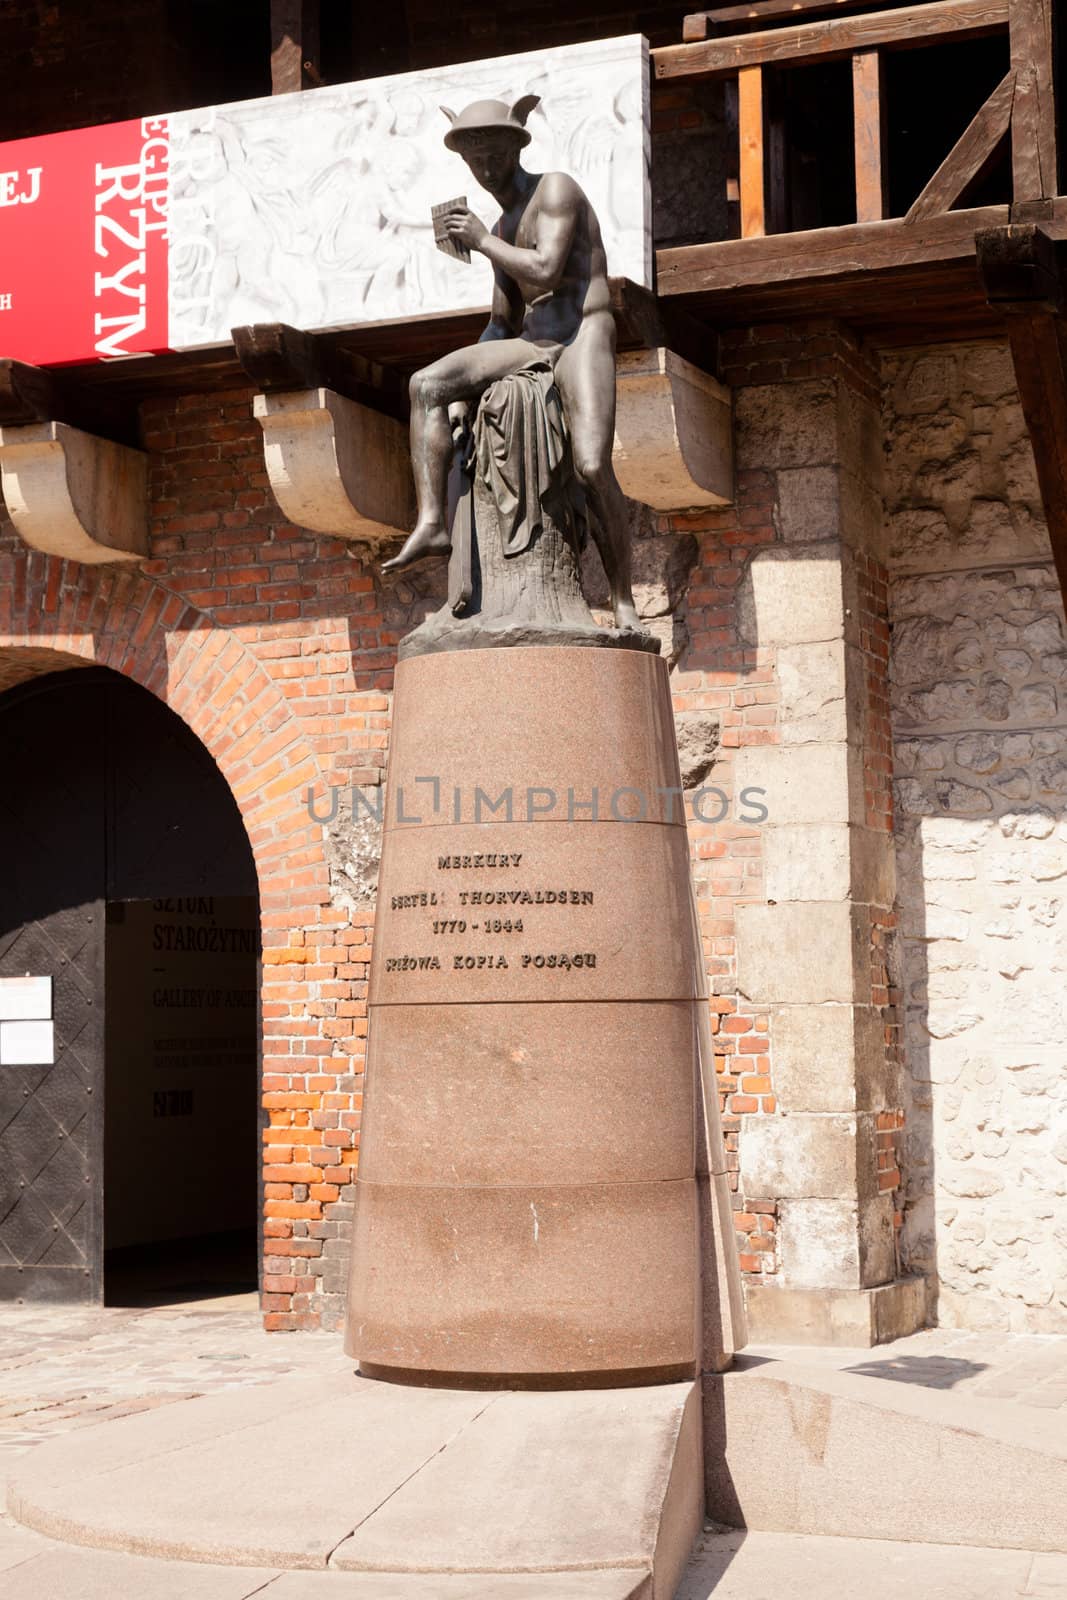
(1021, 106)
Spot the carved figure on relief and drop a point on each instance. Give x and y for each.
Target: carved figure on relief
(551, 318)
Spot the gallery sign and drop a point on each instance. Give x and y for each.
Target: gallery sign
(314, 209)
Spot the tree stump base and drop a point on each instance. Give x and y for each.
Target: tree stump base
(518, 521)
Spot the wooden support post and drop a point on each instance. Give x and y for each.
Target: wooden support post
(750, 131)
(1033, 133)
(1023, 277)
(868, 109)
(294, 45)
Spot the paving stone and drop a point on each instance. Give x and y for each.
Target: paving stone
(777, 1566)
(67, 1572)
(1048, 1577)
(16, 1546)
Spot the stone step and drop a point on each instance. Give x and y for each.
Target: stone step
(789, 1566)
(813, 1450)
(35, 1568)
(731, 1566)
(392, 1485)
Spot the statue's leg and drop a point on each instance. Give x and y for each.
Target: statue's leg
(585, 373)
(459, 376)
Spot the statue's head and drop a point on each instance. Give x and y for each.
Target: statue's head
(490, 135)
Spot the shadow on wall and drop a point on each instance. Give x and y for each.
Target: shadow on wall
(980, 732)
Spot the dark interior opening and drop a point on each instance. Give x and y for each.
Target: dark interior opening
(221, 53)
(931, 95)
(809, 162)
(180, 1167)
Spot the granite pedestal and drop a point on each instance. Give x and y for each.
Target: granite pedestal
(526, 1211)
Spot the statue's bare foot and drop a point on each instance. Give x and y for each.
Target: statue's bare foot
(626, 618)
(428, 541)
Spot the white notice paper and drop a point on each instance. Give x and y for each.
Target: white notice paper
(25, 999)
(27, 1044)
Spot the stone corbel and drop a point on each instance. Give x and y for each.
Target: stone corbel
(336, 466)
(72, 494)
(673, 432)
(69, 491)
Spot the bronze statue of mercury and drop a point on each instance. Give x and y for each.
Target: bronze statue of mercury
(551, 303)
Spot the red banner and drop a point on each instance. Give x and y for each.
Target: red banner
(83, 243)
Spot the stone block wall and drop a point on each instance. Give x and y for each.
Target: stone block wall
(979, 707)
(814, 948)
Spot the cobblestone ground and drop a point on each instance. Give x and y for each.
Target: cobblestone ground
(1022, 1369)
(66, 1367)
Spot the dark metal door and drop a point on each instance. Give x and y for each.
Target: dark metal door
(52, 875)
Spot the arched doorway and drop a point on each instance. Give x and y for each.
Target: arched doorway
(129, 967)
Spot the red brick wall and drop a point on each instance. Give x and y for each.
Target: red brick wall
(720, 673)
(271, 645)
(74, 63)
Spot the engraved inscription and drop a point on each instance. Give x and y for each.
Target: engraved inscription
(444, 863)
(503, 921)
(562, 961)
(526, 897)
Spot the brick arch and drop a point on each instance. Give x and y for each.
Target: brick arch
(63, 614)
(55, 615)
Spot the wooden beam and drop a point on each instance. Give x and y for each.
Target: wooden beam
(1021, 268)
(278, 358)
(41, 394)
(294, 45)
(750, 131)
(700, 24)
(1025, 259)
(643, 322)
(823, 41)
(1033, 134)
(790, 258)
(868, 112)
(969, 154)
(28, 394)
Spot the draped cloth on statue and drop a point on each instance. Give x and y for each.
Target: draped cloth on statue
(519, 461)
(522, 452)
(518, 528)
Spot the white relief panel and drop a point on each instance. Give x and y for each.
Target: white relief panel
(314, 208)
